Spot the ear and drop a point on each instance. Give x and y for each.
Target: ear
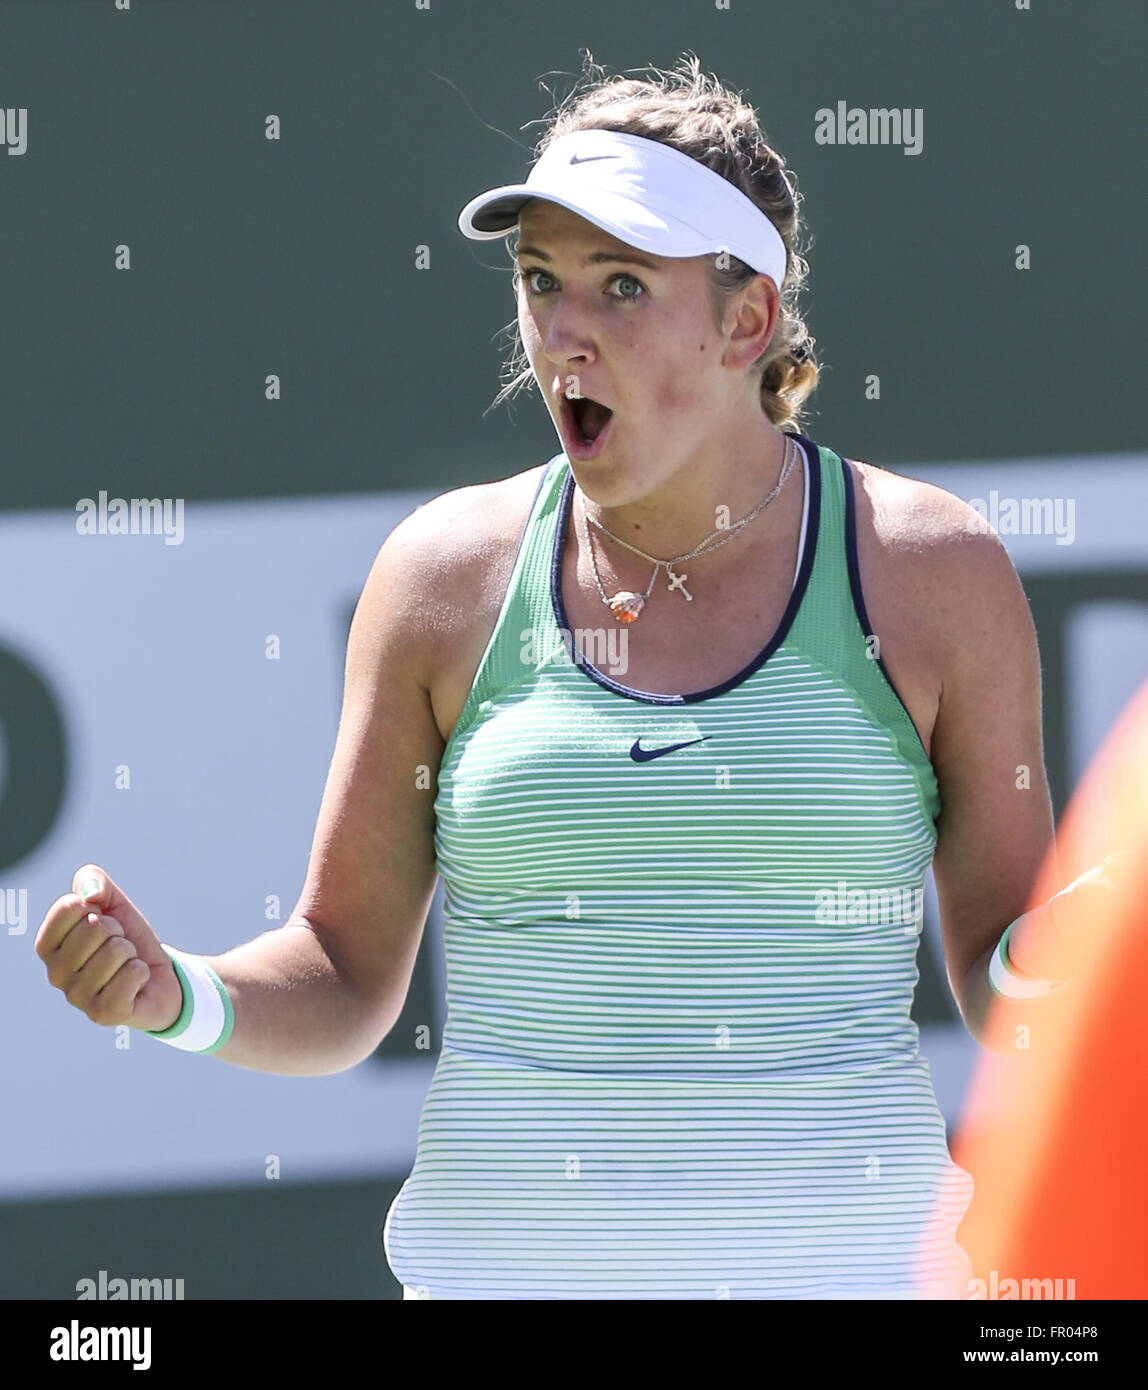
(750, 319)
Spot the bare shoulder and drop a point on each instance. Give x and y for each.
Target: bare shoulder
(441, 575)
(908, 513)
(936, 551)
(915, 521)
(455, 535)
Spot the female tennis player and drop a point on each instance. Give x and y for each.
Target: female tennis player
(681, 717)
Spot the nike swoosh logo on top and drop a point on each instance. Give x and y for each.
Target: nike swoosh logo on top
(645, 755)
(586, 158)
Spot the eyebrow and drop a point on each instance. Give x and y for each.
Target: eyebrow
(595, 258)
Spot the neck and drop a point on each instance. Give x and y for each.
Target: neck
(682, 511)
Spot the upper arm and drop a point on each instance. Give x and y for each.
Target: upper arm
(995, 825)
(371, 874)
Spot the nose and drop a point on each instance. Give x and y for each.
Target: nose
(566, 334)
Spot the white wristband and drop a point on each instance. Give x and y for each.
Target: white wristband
(206, 1019)
(1007, 982)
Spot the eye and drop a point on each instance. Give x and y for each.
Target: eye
(526, 276)
(623, 276)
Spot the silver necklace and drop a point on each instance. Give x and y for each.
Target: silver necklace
(626, 605)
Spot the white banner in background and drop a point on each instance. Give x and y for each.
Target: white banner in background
(154, 655)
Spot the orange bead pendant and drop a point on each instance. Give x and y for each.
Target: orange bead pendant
(626, 606)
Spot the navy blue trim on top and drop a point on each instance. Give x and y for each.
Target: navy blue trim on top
(813, 531)
(859, 597)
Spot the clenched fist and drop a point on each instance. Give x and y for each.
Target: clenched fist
(102, 953)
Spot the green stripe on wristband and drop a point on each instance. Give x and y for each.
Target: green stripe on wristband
(1002, 946)
(186, 1008)
(228, 1011)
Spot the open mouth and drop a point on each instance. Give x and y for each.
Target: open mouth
(587, 418)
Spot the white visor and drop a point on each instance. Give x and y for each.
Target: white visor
(646, 194)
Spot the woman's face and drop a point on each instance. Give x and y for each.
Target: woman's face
(635, 333)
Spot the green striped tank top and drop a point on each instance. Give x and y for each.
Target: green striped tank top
(678, 1061)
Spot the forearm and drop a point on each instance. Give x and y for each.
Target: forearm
(295, 1012)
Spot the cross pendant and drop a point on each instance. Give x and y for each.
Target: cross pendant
(678, 581)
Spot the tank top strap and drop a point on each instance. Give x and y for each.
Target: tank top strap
(525, 627)
(832, 626)
(824, 625)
